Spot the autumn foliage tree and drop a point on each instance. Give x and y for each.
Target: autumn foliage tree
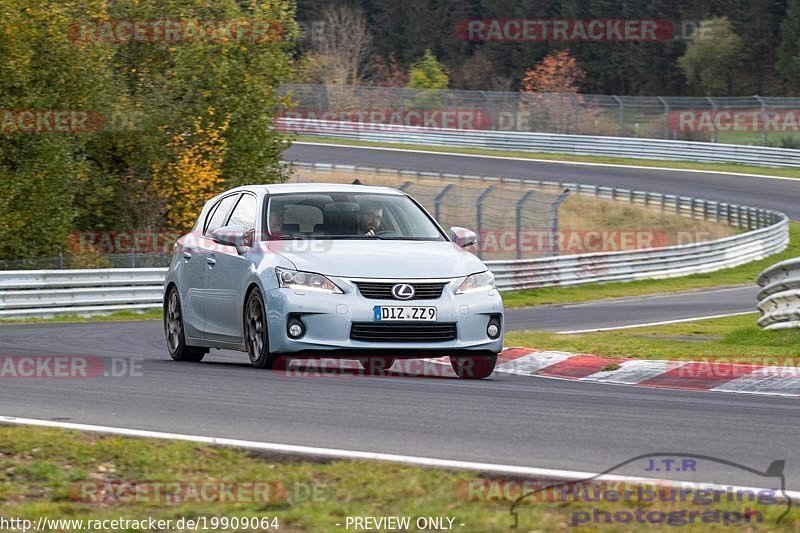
(195, 171)
(550, 92)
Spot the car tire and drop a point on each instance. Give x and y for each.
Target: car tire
(475, 367)
(375, 366)
(173, 330)
(256, 337)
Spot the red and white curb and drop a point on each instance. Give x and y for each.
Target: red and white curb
(681, 375)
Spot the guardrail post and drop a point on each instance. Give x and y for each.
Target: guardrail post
(479, 214)
(554, 222)
(438, 200)
(518, 206)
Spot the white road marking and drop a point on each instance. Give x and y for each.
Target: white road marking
(557, 161)
(549, 473)
(662, 323)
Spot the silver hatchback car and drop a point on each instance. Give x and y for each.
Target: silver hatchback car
(322, 270)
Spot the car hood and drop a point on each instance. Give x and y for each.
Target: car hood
(380, 259)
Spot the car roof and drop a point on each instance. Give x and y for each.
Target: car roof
(282, 188)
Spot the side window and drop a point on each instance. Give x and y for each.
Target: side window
(220, 214)
(244, 214)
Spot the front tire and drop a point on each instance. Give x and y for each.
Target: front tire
(256, 338)
(173, 329)
(475, 367)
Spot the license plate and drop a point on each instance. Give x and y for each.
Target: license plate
(404, 313)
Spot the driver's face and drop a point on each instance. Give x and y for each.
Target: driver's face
(370, 220)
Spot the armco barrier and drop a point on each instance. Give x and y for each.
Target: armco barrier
(549, 142)
(50, 292)
(779, 298)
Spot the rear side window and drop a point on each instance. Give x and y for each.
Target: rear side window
(219, 213)
(244, 214)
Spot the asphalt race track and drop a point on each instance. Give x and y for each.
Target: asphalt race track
(634, 311)
(507, 419)
(780, 194)
(511, 420)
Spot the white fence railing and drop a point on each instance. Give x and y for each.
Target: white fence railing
(548, 142)
(34, 293)
(779, 298)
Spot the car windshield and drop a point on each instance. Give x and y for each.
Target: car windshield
(348, 216)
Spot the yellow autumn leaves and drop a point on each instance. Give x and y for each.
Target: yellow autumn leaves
(193, 175)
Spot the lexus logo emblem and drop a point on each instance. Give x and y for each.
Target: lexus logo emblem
(402, 291)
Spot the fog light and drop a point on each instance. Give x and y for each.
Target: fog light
(493, 329)
(295, 329)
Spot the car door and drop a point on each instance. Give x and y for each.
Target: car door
(227, 277)
(196, 256)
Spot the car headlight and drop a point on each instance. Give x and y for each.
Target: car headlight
(307, 281)
(483, 281)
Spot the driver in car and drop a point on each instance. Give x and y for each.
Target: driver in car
(369, 219)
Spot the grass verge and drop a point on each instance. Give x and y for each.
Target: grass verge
(46, 472)
(678, 165)
(733, 339)
(741, 275)
(118, 316)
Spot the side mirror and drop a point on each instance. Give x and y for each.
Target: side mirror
(231, 236)
(463, 236)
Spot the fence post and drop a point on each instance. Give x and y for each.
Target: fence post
(438, 200)
(621, 116)
(666, 116)
(554, 222)
(714, 115)
(575, 112)
(764, 132)
(519, 205)
(479, 214)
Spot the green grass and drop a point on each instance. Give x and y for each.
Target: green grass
(118, 316)
(680, 165)
(735, 339)
(41, 469)
(740, 275)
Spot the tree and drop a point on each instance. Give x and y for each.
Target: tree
(389, 73)
(427, 73)
(549, 92)
(556, 73)
(341, 48)
(713, 59)
(788, 64)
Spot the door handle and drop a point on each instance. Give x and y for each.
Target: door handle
(187, 255)
(211, 261)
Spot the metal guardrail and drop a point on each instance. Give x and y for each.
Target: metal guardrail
(549, 142)
(34, 293)
(779, 298)
(50, 292)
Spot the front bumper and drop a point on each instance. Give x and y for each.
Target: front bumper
(328, 317)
